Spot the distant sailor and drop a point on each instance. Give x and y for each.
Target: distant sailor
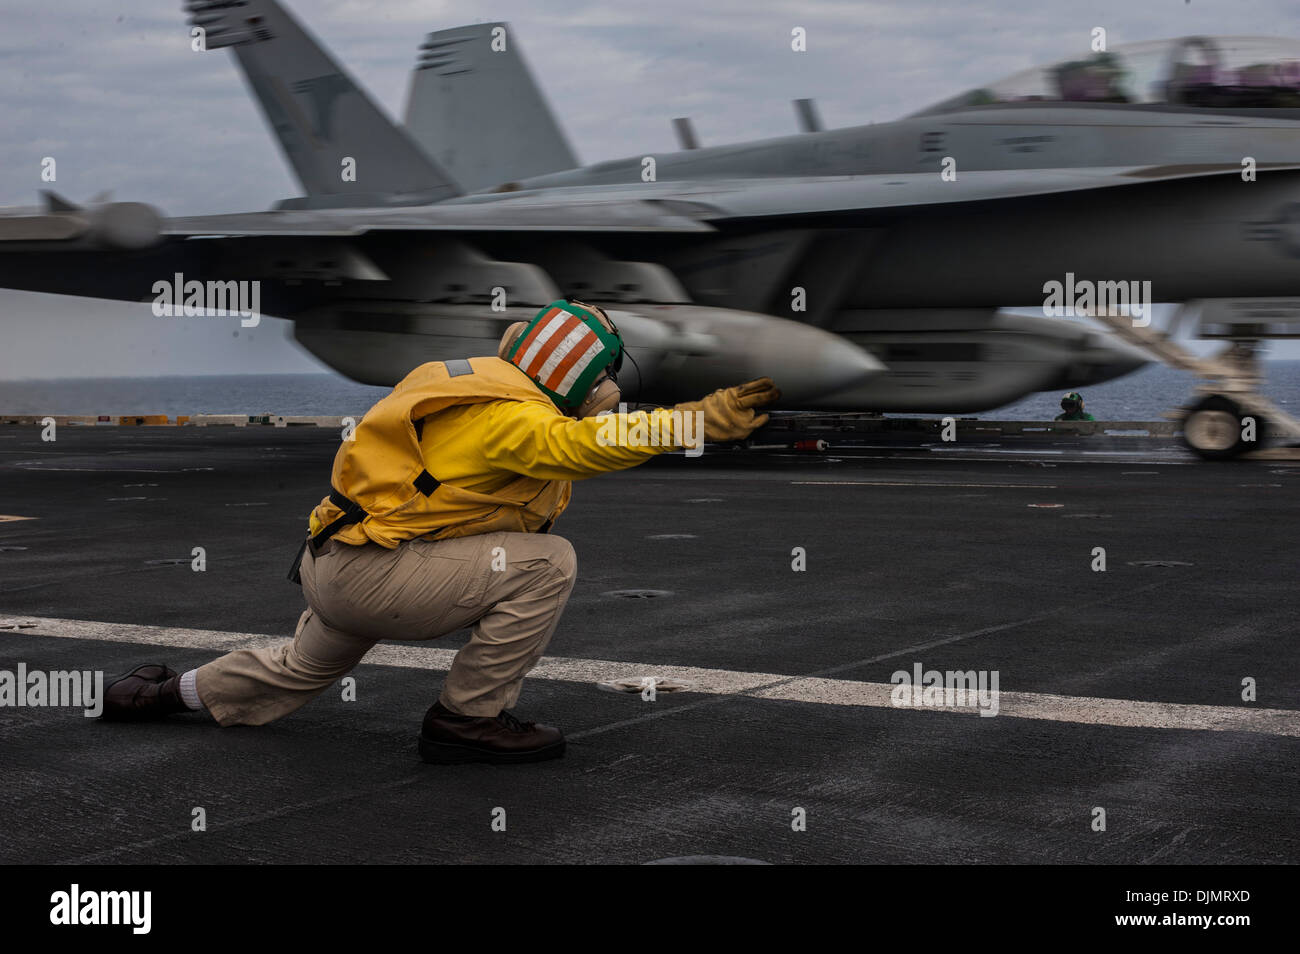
(438, 519)
(1072, 408)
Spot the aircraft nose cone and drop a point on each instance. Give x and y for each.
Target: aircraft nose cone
(690, 350)
(843, 364)
(809, 362)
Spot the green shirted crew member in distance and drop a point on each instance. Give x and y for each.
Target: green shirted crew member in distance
(1072, 408)
(439, 519)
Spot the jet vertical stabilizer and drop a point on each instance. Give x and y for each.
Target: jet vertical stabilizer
(342, 147)
(475, 108)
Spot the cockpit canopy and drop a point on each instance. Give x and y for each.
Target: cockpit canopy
(1229, 72)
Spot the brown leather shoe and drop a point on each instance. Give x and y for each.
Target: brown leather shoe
(447, 738)
(144, 694)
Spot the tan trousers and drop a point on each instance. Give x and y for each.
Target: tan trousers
(511, 586)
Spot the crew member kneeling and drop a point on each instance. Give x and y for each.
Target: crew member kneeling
(438, 519)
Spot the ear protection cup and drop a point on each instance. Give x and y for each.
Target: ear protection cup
(603, 397)
(508, 339)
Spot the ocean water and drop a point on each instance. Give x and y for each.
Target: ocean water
(322, 394)
(1146, 394)
(1141, 396)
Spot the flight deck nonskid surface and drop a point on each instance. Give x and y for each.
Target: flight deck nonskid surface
(956, 559)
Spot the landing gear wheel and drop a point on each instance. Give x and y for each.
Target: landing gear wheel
(1214, 426)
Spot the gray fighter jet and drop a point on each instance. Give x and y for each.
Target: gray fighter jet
(813, 257)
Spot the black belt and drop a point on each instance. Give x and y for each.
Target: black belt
(352, 513)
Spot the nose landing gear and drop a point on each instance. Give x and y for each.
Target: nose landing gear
(1218, 428)
(1230, 416)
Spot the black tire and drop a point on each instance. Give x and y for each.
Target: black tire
(1212, 429)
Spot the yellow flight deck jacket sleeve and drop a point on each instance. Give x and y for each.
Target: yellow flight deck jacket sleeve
(473, 446)
(482, 446)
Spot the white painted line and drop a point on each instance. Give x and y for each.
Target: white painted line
(912, 483)
(1126, 713)
(1026, 455)
(1035, 452)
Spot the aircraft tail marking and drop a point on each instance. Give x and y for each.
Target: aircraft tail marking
(342, 147)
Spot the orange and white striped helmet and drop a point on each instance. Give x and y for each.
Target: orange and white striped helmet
(564, 350)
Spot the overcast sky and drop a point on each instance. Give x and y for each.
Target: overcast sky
(112, 90)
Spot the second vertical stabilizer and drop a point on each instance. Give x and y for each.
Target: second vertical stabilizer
(476, 109)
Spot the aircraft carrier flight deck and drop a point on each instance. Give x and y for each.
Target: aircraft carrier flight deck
(772, 597)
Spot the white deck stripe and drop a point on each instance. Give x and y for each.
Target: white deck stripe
(914, 483)
(1128, 713)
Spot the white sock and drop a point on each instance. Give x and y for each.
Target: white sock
(190, 694)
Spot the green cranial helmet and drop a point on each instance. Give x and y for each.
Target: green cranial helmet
(565, 349)
(1072, 401)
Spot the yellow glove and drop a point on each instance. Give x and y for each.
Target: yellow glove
(729, 412)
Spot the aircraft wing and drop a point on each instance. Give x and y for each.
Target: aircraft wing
(686, 207)
(133, 225)
(696, 206)
(632, 214)
(886, 193)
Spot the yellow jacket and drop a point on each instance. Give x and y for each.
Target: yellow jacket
(470, 446)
